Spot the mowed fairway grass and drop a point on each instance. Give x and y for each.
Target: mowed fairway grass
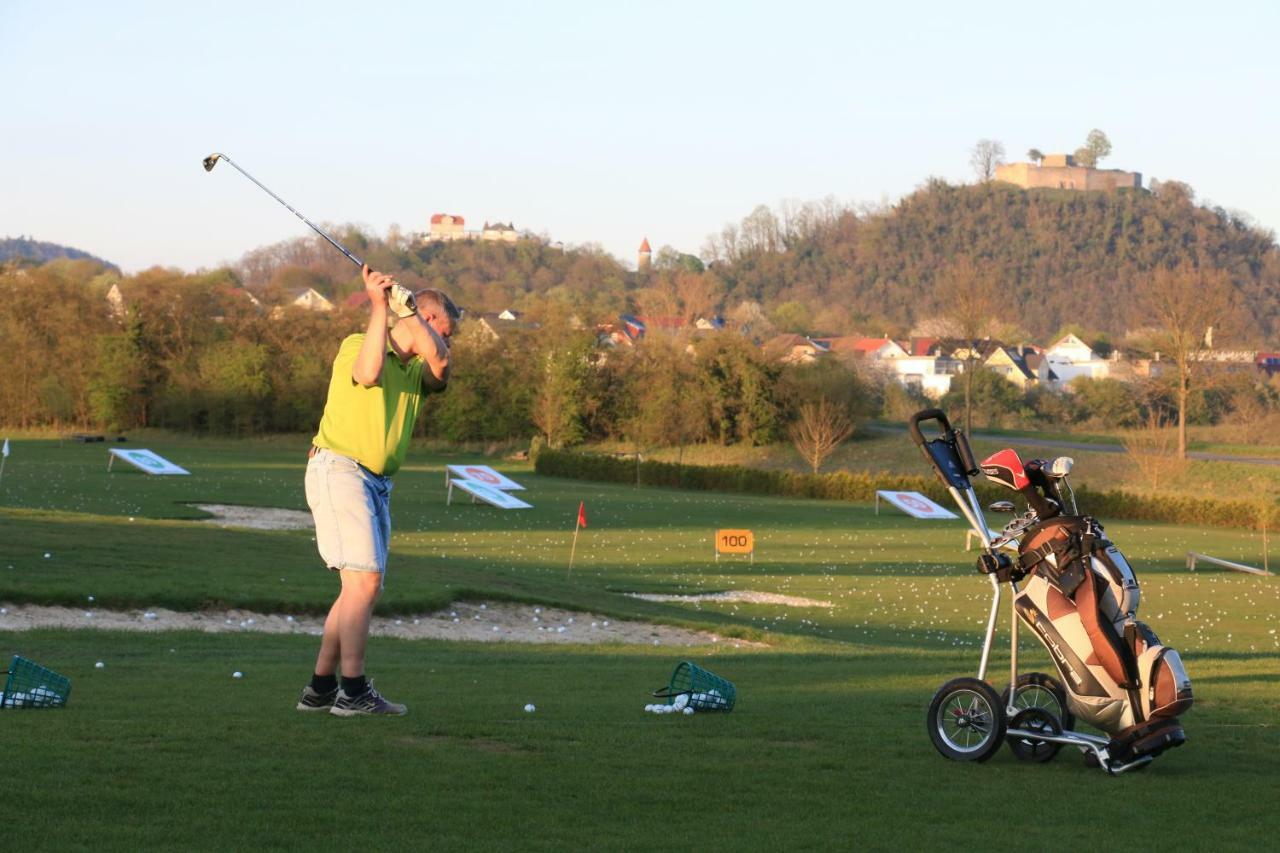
(827, 748)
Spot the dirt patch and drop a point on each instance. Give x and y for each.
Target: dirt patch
(477, 622)
(736, 596)
(256, 517)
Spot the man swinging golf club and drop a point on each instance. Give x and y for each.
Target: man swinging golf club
(376, 390)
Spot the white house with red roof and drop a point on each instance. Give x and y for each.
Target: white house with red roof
(919, 367)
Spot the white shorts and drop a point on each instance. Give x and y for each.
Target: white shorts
(351, 507)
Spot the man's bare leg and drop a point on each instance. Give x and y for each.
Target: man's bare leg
(354, 609)
(327, 659)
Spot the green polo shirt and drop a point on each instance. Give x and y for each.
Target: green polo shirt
(371, 425)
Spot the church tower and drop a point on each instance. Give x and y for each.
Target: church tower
(645, 257)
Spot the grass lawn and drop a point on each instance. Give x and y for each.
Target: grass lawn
(827, 748)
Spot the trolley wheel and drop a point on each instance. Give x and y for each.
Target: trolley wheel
(1037, 690)
(966, 720)
(1031, 749)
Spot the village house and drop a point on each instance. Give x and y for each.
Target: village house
(1070, 357)
(795, 349)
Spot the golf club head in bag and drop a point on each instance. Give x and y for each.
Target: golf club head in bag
(1006, 468)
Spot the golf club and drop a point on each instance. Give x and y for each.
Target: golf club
(212, 160)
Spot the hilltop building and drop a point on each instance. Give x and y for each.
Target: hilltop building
(498, 231)
(1061, 172)
(446, 227)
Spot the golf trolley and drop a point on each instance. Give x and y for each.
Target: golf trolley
(1080, 599)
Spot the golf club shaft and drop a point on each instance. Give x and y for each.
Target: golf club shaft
(314, 227)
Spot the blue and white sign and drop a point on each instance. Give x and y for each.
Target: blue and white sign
(487, 493)
(483, 474)
(152, 463)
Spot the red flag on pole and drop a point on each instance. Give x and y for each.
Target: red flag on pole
(582, 514)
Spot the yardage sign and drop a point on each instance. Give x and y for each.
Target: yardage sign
(913, 504)
(735, 542)
(152, 463)
(483, 474)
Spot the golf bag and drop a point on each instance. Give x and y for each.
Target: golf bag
(1081, 599)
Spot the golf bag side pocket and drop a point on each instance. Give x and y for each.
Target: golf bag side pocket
(1166, 687)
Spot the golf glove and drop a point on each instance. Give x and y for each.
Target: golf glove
(401, 300)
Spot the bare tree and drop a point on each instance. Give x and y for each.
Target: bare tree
(1183, 304)
(1151, 450)
(984, 157)
(819, 430)
(967, 293)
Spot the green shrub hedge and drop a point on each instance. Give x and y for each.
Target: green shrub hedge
(861, 486)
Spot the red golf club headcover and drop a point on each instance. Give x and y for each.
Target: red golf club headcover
(1006, 469)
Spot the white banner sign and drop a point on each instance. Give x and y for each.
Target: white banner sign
(487, 493)
(484, 474)
(914, 504)
(150, 462)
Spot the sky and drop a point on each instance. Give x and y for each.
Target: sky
(594, 122)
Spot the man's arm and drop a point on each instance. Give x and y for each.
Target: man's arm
(420, 339)
(367, 369)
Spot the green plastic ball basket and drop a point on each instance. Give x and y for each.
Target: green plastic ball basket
(706, 690)
(31, 685)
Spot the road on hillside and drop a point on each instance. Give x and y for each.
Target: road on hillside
(1101, 448)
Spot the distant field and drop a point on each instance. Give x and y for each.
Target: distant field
(826, 749)
(881, 451)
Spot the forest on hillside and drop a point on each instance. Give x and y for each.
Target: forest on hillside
(37, 252)
(192, 351)
(1058, 259)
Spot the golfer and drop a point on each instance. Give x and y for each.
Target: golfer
(375, 393)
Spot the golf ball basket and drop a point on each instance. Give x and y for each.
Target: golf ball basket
(705, 690)
(31, 685)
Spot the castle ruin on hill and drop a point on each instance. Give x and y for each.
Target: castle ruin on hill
(1061, 172)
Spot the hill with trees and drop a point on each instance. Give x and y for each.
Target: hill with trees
(38, 251)
(1058, 257)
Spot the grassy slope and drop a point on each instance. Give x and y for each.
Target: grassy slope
(827, 747)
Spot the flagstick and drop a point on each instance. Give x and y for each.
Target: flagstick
(574, 548)
(3, 459)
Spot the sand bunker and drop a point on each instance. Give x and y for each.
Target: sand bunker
(736, 596)
(483, 622)
(256, 517)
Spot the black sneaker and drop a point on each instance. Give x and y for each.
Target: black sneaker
(314, 701)
(368, 703)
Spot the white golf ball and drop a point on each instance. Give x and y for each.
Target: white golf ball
(529, 709)
(648, 709)
(99, 665)
(47, 555)
(688, 711)
(237, 674)
(680, 701)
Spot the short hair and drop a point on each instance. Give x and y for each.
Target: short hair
(439, 300)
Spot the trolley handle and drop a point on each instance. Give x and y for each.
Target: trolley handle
(913, 424)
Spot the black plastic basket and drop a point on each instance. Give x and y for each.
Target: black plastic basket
(31, 685)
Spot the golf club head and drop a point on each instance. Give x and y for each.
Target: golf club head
(211, 161)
